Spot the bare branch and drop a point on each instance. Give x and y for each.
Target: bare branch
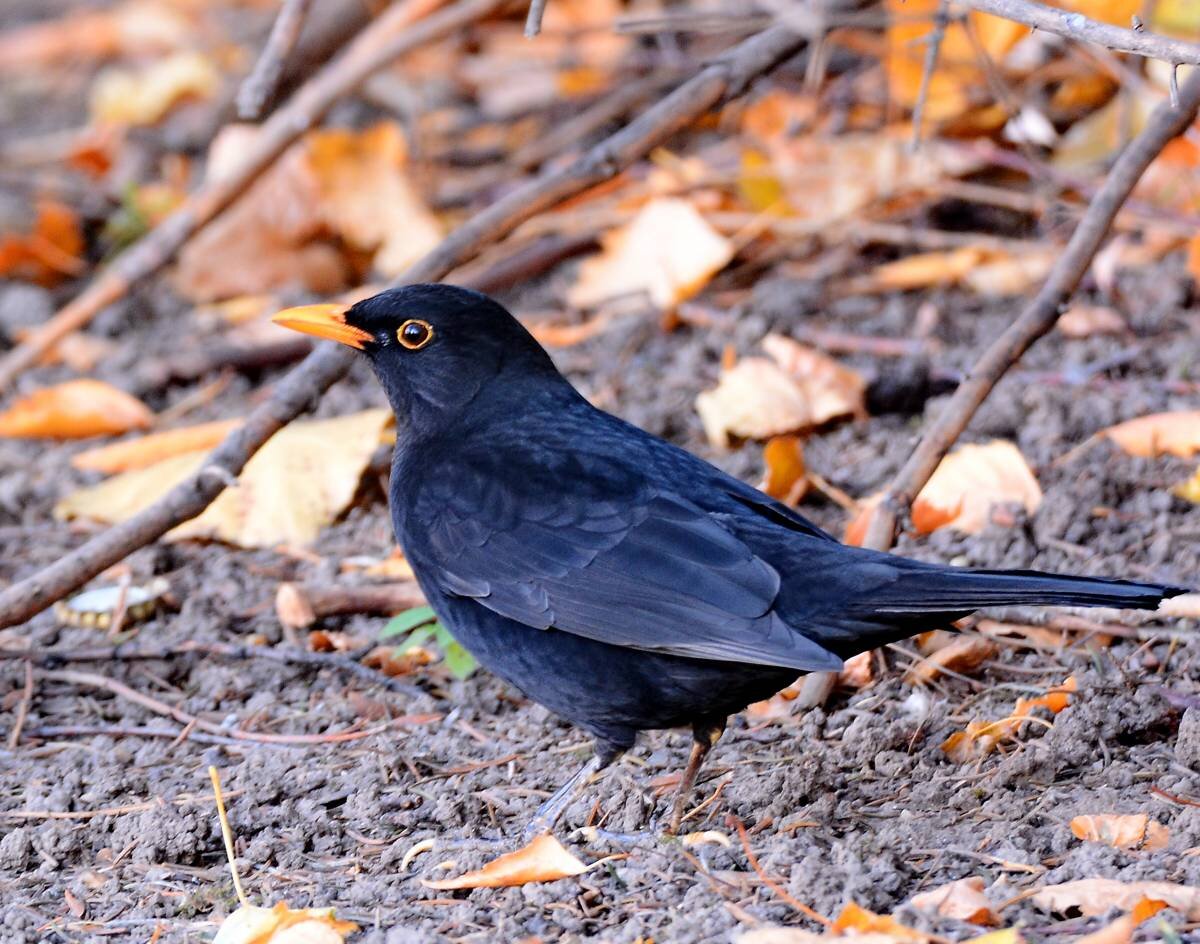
(533, 22)
(260, 85)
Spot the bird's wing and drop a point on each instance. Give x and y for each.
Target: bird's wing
(578, 543)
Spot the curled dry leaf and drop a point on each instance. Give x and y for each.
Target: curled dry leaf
(962, 654)
(981, 738)
(668, 251)
(1176, 434)
(969, 482)
(144, 96)
(300, 481)
(1096, 896)
(1122, 831)
(50, 252)
(784, 476)
(963, 900)
(154, 447)
(251, 924)
(543, 860)
(798, 388)
(75, 410)
(860, 921)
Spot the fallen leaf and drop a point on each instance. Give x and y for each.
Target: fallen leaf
(785, 477)
(1097, 896)
(858, 671)
(50, 252)
(80, 352)
(154, 447)
(1085, 321)
(75, 410)
(1184, 606)
(1176, 434)
(1004, 936)
(969, 482)
(1121, 930)
(1121, 831)
(251, 924)
(963, 900)
(668, 251)
(981, 738)
(800, 388)
(300, 481)
(131, 29)
(543, 860)
(567, 335)
(145, 95)
(1004, 274)
(926, 269)
(861, 921)
(962, 654)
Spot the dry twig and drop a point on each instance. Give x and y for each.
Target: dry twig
(260, 85)
(533, 22)
(725, 78)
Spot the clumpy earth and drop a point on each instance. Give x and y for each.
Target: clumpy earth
(108, 833)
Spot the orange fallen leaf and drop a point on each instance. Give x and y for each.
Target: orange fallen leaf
(1121, 831)
(154, 447)
(251, 924)
(926, 269)
(969, 482)
(543, 860)
(1085, 321)
(1176, 434)
(1097, 896)
(1121, 930)
(785, 476)
(50, 252)
(80, 352)
(981, 738)
(963, 900)
(861, 921)
(668, 251)
(133, 28)
(567, 335)
(962, 654)
(392, 662)
(858, 671)
(75, 410)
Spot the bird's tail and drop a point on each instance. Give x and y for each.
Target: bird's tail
(943, 590)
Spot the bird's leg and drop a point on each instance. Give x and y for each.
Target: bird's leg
(550, 811)
(705, 735)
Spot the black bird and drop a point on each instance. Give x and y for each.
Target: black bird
(620, 581)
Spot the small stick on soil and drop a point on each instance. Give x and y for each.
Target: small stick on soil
(725, 78)
(533, 22)
(1077, 26)
(14, 736)
(940, 22)
(299, 606)
(779, 890)
(260, 85)
(403, 27)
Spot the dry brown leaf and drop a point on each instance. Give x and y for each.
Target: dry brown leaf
(861, 921)
(1121, 831)
(785, 476)
(50, 252)
(154, 447)
(963, 900)
(76, 409)
(251, 924)
(1121, 930)
(543, 860)
(962, 654)
(969, 482)
(926, 269)
(145, 95)
(668, 251)
(1184, 606)
(300, 481)
(858, 671)
(832, 389)
(1003, 274)
(1085, 321)
(140, 27)
(981, 738)
(1097, 896)
(1176, 434)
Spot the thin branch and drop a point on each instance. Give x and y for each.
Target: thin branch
(725, 78)
(405, 26)
(260, 85)
(533, 22)
(940, 23)
(1077, 26)
(1166, 122)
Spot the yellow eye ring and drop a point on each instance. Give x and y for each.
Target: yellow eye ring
(414, 334)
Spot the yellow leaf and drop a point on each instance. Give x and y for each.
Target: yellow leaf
(300, 481)
(75, 410)
(1005, 936)
(1121, 831)
(758, 185)
(154, 447)
(144, 96)
(963, 900)
(785, 476)
(283, 925)
(1176, 434)
(543, 860)
(668, 251)
(969, 482)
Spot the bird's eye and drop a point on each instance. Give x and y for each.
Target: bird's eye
(415, 334)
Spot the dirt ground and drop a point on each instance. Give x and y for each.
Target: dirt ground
(107, 831)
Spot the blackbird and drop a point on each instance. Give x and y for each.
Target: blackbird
(623, 583)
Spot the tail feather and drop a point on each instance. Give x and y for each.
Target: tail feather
(953, 591)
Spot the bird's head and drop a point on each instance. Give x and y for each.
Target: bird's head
(434, 348)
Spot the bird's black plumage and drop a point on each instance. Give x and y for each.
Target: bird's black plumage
(623, 582)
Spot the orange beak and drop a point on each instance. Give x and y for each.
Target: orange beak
(325, 321)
